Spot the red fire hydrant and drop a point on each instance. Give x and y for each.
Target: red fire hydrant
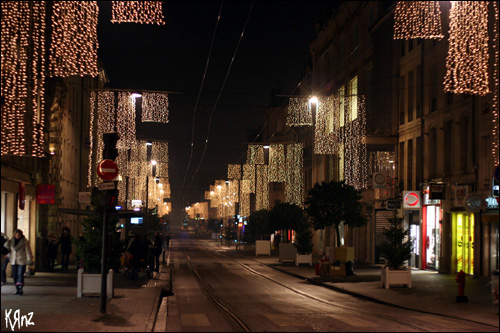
(460, 278)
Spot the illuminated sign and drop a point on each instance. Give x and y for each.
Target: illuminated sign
(411, 199)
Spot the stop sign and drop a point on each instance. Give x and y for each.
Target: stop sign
(107, 170)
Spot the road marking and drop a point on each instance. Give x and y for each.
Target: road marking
(354, 321)
(194, 319)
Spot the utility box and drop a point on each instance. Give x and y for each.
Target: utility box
(344, 254)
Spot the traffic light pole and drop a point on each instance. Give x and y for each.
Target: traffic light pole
(104, 265)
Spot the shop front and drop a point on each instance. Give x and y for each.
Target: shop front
(432, 217)
(412, 204)
(463, 224)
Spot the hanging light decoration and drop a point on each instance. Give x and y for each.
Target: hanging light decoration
(261, 188)
(255, 154)
(125, 123)
(248, 183)
(245, 204)
(327, 126)
(73, 50)
(23, 77)
(159, 153)
(496, 88)
(233, 191)
(144, 12)
(277, 169)
(417, 19)
(299, 112)
(467, 60)
(294, 185)
(234, 171)
(155, 107)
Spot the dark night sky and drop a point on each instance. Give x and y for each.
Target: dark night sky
(172, 57)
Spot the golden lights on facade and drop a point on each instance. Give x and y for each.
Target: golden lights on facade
(255, 154)
(299, 112)
(277, 168)
(467, 60)
(417, 19)
(144, 12)
(261, 188)
(23, 77)
(234, 171)
(496, 88)
(294, 186)
(73, 50)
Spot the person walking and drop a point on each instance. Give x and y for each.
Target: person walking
(167, 241)
(158, 249)
(65, 241)
(20, 256)
(51, 251)
(5, 257)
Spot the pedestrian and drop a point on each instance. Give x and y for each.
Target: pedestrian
(157, 250)
(65, 240)
(167, 241)
(51, 251)
(20, 256)
(135, 251)
(5, 257)
(146, 251)
(277, 241)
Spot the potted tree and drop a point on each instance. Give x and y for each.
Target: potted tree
(304, 244)
(89, 250)
(257, 231)
(335, 204)
(284, 217)
(396, 250)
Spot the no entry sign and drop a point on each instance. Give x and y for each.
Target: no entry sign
(107, 170)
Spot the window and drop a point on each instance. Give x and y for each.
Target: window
(353, 92)
(409, 166)
(401, 165)
(342, 105)
(418, 92)
(410, 95)
(418, 161)
(448, 148)
(465, 144)
(402, 100)
(432, 152)
(449, 98)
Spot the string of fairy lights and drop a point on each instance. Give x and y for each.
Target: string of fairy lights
(255, 154)
(276, 172)
(155, 107)
(261, 187)
(467, 60)
(73, 50)
(417, 19)
(299, 112)
(144, 12)
(496, 88)
(234, 171)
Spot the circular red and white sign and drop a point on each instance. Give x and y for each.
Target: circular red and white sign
(107, 170)
(411, 199)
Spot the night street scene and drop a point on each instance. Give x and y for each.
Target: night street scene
(249, 166)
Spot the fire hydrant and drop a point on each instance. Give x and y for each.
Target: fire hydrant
(460, 278)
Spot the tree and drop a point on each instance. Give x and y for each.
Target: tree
(397, 248)
(258, 226)
(330, 204)
(303, 238)
(286, 216)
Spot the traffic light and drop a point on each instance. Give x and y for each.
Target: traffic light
(110, 152)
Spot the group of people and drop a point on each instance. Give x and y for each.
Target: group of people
(17, 251)
(146, 252)
(51, 249)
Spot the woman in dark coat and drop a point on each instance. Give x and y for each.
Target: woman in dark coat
(65, 241)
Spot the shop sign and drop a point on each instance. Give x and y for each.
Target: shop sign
(411, 199)
(461, 192)
(428, 201)
(494, 188)
(436, 191)
(393, 204)
(45, 194)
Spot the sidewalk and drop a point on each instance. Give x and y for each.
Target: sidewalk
(431, 292)
(51, 297)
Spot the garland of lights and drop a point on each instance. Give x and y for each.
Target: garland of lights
(417, 19)
(327, 126)
(22, 48)
(248, 183)
(155, 107)
(262, 188)
(299, 112)
(494, 106)
(125, 124)
(159, 153)
(234, 171)
(467, 59)
(245, 204)
(147, 12)
(294, 185)
(234, 191)
(255, 154)
(277, 163)
(73, 50)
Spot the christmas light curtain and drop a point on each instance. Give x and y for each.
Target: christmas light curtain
(277, 168)
(255, 154)
(73, 50)
(327, 127)
(234, 171)
(23, 77)
(417, 19)
(294, 186)
(248, 182)
(144, 12)
(299, 112)
(467, 59)
(261, 188)
(155, 107)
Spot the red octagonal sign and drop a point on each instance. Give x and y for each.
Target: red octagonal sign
(107, 170)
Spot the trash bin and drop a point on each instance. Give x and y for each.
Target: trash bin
(494, 287)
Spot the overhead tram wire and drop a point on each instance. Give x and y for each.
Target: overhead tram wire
(198, 97)
(218, 97)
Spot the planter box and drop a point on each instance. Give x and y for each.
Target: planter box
(303, 259)
(344, 254)
(263, 247)
(396, 276)
(288, 251)
(91, 283)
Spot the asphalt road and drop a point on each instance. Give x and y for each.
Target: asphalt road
(215, 290)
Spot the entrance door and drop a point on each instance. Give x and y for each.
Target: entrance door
(433, 236)
(463, 224)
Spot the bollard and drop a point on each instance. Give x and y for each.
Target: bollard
(460, 278)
